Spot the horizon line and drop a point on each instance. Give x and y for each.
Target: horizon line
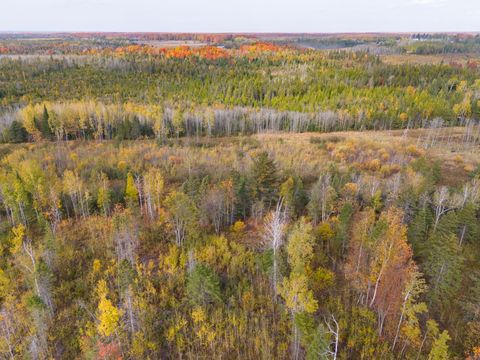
(237, 32)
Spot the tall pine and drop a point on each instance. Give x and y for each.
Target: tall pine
(444, 263)
(265, 179)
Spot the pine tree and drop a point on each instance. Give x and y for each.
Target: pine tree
(468, 227)
(265, 179)
(16, 133)
(293, 194)
(203, 285)
(242, 196)
(44, 127)
(341, 236)
(444, 262)
(418, 231)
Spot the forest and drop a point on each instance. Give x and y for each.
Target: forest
(244, 196)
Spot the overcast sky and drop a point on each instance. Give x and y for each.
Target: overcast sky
(240, 15)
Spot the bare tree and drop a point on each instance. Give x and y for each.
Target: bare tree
(334, 330)
(214, 209)
(444, 202)
(126, 244)
(273, 236)
(321, 199)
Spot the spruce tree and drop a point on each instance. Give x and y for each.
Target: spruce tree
(203, 285)
(242, 195)
(44, 126)
(16, 133)
(444, 262)
(418, 231)
(468, 228)
(265, 179)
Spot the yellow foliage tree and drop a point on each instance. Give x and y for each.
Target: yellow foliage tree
(17, 240)
(108, 314)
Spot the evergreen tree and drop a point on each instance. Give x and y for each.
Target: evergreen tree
(418, 231)
(341, 236)
(44, 127)
(16, 133)
(203, 285)
(444, 262)
(265, 179)
(293, 194)
(468, 227)
(242, 195)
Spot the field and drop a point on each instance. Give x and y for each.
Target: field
(459, 59)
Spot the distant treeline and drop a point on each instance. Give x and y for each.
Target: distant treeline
(129, 121)
(358, 88)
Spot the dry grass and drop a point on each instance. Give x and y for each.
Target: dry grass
(429, 59)
(456, 161)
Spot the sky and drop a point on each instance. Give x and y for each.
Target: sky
(241, 15)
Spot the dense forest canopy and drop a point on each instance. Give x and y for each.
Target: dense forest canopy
(178, 88)
(217, 199)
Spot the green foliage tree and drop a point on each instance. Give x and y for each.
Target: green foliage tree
(439, 349)
(445, 262)
(265, 179)
(131, 191)
(203, 285)
(183, 215)
(15, 133)
(44, 125)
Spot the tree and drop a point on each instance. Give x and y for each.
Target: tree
(444, 202)
(322, 198)
(74, 187)
(108, 314)
(380, 264)
(298, 299)
(182, 214)
(444, 262)
(300, 246)
(408, 327)
(153, 185)
(44, 127)
(131, 191)
(28, 115)
(274, 229)
(295, 288)
(203, 285)
(342, 229)
(242, 193)
(418, 231)
(214, 209)
(468, 228)
(104, 196)
(293, 195)
(439, 349)
(178, 121)
(16, 133)
(265, 179)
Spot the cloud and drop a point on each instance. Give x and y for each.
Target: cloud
(436, 3)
